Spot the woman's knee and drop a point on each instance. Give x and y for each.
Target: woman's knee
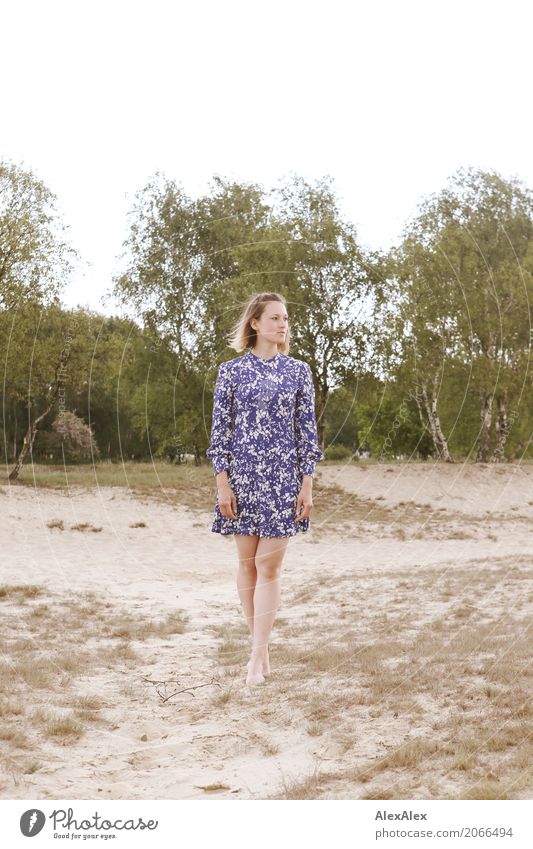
(269, 567)
(248, 564)
(246, 547)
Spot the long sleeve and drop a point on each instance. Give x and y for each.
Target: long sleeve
(307, 447)
(222, 424)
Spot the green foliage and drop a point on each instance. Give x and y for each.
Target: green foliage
(35, 262)
(403, 347)
(391, 427)
(460, 295)
(338, 452)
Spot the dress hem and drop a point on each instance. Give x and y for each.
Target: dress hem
(254, 534)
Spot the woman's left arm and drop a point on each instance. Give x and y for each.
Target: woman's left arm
(307, 447)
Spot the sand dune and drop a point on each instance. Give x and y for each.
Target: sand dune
(400, 656)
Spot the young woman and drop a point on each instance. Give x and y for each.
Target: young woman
(263, 447)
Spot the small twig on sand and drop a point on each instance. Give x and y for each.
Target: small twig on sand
(189, 690)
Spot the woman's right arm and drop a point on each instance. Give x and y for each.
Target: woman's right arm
(219, 450)
(222, 424)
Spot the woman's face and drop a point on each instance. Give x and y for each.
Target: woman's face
(273, 324)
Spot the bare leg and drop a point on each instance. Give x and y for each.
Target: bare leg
(247, 575)
(246, 581)
(268, 558)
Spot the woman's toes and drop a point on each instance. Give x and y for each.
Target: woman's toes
(255, 674)
(254, 678)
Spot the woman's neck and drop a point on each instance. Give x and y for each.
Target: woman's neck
(265, 352)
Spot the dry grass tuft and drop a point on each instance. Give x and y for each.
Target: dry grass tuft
(55, 726)
(47, 648)
(19, 591)
(300, 788)
(131, 628)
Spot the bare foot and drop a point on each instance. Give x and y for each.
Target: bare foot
(255, 676)
(265, 664)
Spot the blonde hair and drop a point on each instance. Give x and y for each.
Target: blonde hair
(243, 335)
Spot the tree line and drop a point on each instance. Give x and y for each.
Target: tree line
(423, 350)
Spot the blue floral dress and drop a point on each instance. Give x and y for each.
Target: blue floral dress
(264, 434)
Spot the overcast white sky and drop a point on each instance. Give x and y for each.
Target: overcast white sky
(389, 98)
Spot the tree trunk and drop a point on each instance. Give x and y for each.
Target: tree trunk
(437, 435)
(420, 407)
(197, 454)
(486, 420)
(27, 445)
(15, 436)
(502, 429)
(31, 433)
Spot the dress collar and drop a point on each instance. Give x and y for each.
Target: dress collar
(261, 360)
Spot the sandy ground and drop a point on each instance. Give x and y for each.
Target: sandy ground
(246, 745)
